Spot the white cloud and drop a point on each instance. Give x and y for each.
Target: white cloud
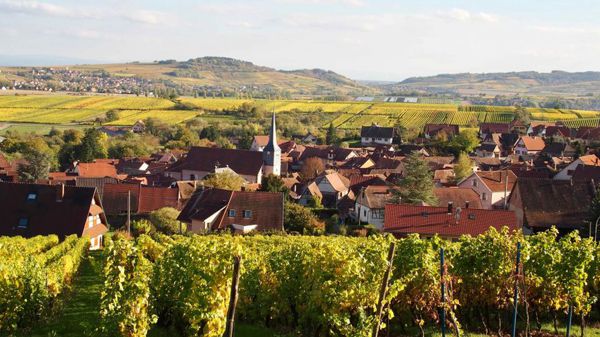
(145, 16)
(567, 30)
(353, 3)
(225, 8)
(43, 8)
(463, 15)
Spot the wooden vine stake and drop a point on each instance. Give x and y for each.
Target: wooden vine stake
(233, 297)
(384, 287)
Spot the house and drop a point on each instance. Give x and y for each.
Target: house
(132, 166)
(542, 203)
(518, 127)
(567, 172)
(458, 196)
(529, 146)
(241, 212)
(493, 187)
(448, 222)
(508, 141)
(202, 161)
(308, 138)
(560, 150)
(8, 172)
(29, 210)
(142, 199)
(487, 129)
(330, 155)
(406, 149)
(138, 127)
(558, 132)
(588, 135)
(98, 169)
(488, 150)
(370, 204)
(329, 187)
(539, 128)
(443, 177)
(375, 134)
(435, 130)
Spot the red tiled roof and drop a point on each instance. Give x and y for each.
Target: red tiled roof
(49, 213)
(494, 128)
(533, 143)
(207, 158)
(100, 168)
(433, 129)
(427, 220)
(144, 199)
(495, 180)
(266, 208)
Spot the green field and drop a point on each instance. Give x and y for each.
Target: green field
(62, 110)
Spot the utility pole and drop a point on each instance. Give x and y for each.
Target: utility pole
(129, 213)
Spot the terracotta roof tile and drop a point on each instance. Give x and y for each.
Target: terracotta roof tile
(427, 220)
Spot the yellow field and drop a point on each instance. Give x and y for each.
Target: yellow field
(65, 109)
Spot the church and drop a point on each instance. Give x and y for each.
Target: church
(250, 165)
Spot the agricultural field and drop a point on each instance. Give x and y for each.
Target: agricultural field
(74, 110)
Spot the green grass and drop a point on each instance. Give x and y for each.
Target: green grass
(39, 129)
(81, 312)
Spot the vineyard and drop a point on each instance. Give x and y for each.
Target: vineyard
(349, 115)
(33, 274)
(306, 286)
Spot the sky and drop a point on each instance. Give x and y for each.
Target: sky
(364, 39)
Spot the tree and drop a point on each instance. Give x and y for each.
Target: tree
(298, 218)
(595, 207)
(165, 220)
(417, 184)
(225, 180)
(311, 168)
(465, 141)
(37, 165)
(331, 138)
(112, 115)
(463, 167)
(93, 146)
(522, 115)
(273, 183)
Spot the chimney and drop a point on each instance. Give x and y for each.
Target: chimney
(457, 215)
(467, 204)
(60, 192)
(450, 207)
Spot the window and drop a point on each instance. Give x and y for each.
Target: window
(90, 221)
(232, 212)
(23, 223)
(247, 214)
(474, 182)
(378, 213)
(484, 196)
(31, 196)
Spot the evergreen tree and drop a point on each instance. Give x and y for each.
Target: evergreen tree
(93, 146)
(331, 138)
(417, 184)
(463, 167)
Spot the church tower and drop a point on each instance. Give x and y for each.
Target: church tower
(272, 152)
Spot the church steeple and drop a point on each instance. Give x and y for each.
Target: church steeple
(272, 152)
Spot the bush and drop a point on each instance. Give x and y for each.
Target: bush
(165, 220)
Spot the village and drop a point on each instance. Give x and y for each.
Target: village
(523, 177)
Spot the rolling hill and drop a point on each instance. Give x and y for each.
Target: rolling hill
(225, 76)
(555, 83)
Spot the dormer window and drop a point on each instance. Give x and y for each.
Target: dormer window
(231, 213)
(23, 223)
(31, 197)
(247, 214)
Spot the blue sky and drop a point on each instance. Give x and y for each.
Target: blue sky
(378, 40)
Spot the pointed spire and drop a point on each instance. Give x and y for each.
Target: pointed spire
(272, 145)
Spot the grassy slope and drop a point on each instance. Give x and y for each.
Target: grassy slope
(80, 314)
